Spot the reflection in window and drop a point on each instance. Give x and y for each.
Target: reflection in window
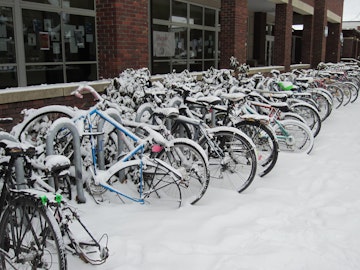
(88, 4)
(42, 38)
(50, 2)
(195, 15)
(44, 74)
(209, 44)
(210, 17)
(8, 75)
(180, 42)
(7, 42)
(81, 72)
(196, 43)
(160, 9)
(179, 13)
(79, 38)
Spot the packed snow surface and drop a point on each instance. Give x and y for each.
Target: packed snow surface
(305, 214)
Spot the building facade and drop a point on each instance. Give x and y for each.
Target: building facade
(351, 39)
(60, 41)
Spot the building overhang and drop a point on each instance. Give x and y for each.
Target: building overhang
(302, 8)
(332, 17)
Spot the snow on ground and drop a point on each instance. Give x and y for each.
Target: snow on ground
(304, 215)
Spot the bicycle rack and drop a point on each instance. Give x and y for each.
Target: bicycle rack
(19, 164)
(100, 139)
(63, 123)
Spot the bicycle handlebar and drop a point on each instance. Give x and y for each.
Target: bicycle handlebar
(78, 92)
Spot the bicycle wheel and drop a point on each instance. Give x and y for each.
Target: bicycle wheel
(191, 160)
(144, 114)
(153, 182)
(354, 91)
(232, 158)
(35, 126)
(310, 114)
(30, 236)
(294, 136)
(347, 93)
(337, 94)
(267, 147)
(324, 104)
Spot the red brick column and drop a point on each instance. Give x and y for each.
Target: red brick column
(232, 38)
(123, 35)
(283, 34)
(259, 37)
(333, 43)
(307, 39)
(319, 40)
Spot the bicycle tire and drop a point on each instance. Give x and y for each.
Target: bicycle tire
(337, 94)
(347, 93)
(31, 236)
(236, 167)
(324, 104)
(35, 126)
(180, 129)
(298, 138)
(157, 187)
(310, 114)
(144, 114)
(195, 167)
(354, 91)
(265, 141)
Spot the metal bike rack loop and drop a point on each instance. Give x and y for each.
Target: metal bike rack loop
(19, 164)
(67, 123)
(100, 138)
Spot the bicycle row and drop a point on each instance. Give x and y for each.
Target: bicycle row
(158, 142)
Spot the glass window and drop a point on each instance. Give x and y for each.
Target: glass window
(161, 68)
(8, 75)
(180, 42)
(210, 16)
(196, 43)
(161, 9)
(44, 74)
(179, 12)
(209, 44)
(163, 42)
(50, 2)
(196, 15)
(42, 38)
(209, 64)
(79, 38)
(81, 72)
(85, 4)
(7, 41)
(196, 66)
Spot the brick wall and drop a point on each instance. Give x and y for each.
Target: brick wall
(232, 39)
(319, 40)
(336, 6)
(307, 39)
(333, 43)
(123, 35)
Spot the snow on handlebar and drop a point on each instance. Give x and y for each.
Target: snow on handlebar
(86, 88)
